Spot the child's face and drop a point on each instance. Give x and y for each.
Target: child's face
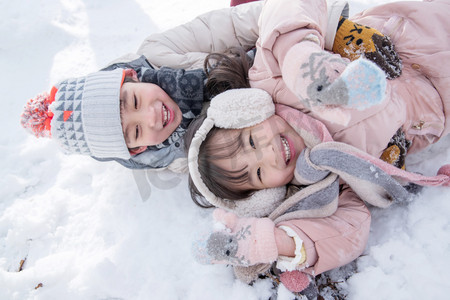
(149, 115)
(269, 153)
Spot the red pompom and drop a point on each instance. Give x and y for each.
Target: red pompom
(445, 170)
(295, 281)
(36, 117)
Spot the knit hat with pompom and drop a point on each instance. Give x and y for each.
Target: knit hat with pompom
(82, 114)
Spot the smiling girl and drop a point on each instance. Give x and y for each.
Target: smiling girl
(147, 131)
(263, 156)
(244, 152)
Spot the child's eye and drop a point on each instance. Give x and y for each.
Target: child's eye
(135, 102)
(137, 132)
(258, 173)
(251, 142)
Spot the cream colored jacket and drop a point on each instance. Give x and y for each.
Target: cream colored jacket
(186, 46)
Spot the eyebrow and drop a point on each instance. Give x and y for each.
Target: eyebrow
(250, 176)
(127, 138)
(125, 130)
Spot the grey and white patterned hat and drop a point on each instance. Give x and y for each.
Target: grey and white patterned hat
(86, 116)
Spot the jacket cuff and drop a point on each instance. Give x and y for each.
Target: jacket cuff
(285, 263)
(335, 9)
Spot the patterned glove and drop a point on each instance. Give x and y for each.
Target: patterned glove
(360, 86)
(395, 152)
(354, 40)
(244, 241)
(327, 83)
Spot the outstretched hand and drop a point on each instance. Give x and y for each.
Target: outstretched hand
(243, 241)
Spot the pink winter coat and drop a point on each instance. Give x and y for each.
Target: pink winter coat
(336, 240)
(417, 101)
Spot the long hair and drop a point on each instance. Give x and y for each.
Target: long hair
(226, 71)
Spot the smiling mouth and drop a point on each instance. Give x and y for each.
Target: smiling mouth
(166, 115)
(287, 150)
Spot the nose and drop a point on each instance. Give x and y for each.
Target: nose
(268, 156)
(147, 116)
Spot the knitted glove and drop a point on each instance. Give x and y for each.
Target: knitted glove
(360, 86)
(244, 241)
(364, 83)
(395, 152)
(325, 80)
(354, 40)
(392, 156)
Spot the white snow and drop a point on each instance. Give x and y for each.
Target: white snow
(81, 225)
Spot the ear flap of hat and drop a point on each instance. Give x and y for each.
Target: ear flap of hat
(241, 108)
(236, 109)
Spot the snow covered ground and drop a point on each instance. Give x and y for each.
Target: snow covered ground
(80, 227)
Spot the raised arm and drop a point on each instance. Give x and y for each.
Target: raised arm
(187, 45)
(292, 65)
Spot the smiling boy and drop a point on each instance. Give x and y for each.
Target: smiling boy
(136, 117)
(149, 116)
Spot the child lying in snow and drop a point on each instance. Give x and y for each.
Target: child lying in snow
(249, 149)
(152, 139)
(242, 153)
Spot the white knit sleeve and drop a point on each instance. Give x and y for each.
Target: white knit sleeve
(286, 263)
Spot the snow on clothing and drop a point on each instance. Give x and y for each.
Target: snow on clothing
(187, 45)
(325, 247)
(348, 228)
(340, 238)
(197, 39)
(417, 101)
(318, 170)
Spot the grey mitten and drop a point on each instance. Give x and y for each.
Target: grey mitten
(244, 241)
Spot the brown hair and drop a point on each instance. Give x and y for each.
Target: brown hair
(219, 181)
(224, 71)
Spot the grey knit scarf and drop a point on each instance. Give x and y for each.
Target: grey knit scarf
(186, 88)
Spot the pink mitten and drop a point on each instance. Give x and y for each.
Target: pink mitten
(244, 241)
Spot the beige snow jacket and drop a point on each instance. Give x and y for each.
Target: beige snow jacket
(186, 46)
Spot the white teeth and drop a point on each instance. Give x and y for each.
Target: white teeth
(287, 150)
(166, 115)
